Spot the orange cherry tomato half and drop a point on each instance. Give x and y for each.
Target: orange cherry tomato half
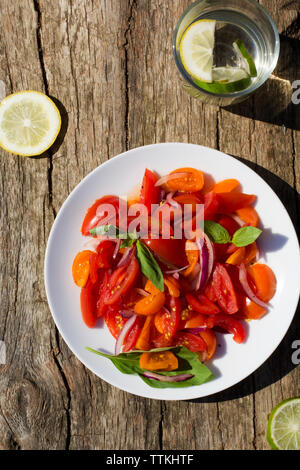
(187, 198)
(173, 286)
(248, 215)
(150, 287)
(264, 280)
(81, 267)
(164, 360)
(237, 257)
(150, 304)
(251, 252)
(192, 254)
(143, 341)
(226, 186)
(193, 181)
(253, 311)
(210, 339)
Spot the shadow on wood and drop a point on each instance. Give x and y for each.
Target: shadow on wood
(272, 103)
(280, 362)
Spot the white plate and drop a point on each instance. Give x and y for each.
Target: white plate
(118, 176)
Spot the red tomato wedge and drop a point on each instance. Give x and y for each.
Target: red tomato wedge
(211, 205)
(231, 325)
(92, 220)
(121, 281)
(224, 290)
(105, 250)
(149, 192)
(88, 298)
(133, 335)
(231, 202)
(114, 320)
(170, 250)
(192, 342)
(202, 304)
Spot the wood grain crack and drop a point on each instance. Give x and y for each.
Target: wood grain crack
(46, 87)
(160, 425)
(219, 425)
(125, 47)
(67, 387)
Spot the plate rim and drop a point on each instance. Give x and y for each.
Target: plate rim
(191, 395)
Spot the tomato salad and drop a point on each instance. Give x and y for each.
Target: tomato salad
(164, 299)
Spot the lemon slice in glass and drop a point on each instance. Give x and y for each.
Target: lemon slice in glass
(246, 60)
(284, 425)
(29, 123)
(226, 80)
(196, 49)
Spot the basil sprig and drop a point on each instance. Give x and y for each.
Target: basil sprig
(149, 266)
(147, 262)
(188, 363)
(244, 236)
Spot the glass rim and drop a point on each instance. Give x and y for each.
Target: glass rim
(237, 94)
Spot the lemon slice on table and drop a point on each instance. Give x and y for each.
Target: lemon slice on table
(226, 80)
(29, 123)
(246, 60)
(284, 425)
(196, 49)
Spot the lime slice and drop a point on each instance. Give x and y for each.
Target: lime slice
(226, 80)
(284, 425)
(196, 49)
(29, 123)
(247, 62)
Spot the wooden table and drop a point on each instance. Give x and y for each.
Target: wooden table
(109, 65)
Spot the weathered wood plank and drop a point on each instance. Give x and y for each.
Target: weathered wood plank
(89, 76)
(110, 65)
(32, 396)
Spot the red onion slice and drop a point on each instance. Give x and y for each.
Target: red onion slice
(201, 278)
(92, 244)
(194, 331)
(166, 178)
(171, 201)
(118, 244)
(249, 292)
(127, 313)
(125, 330)
(238, 220)
(174, 271)
(141, 292)
(211, 255)
(167, 378)
(126, 256)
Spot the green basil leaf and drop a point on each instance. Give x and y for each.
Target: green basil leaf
(216, 232)
(188, 363)
(245, 236)
(149, 266)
